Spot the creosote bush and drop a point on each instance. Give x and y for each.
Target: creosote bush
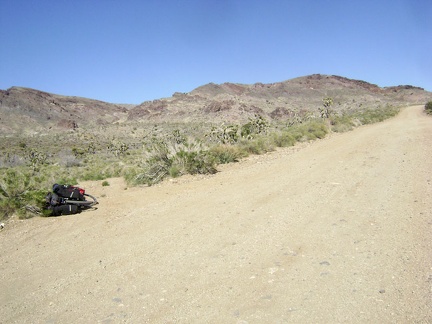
(370, 116)
(167, 158)
(428, 107)
(311, 130)
(20, 194)
(224, 154)
(341, 124)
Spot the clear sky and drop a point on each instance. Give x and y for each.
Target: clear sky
(130, 51)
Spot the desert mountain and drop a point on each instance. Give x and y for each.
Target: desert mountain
(29, 110)
(233, 102)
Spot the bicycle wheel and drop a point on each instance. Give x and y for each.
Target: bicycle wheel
(83, 203)
(93, 199)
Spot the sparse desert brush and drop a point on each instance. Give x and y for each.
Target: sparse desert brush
(309, 130)
(256, 126)
(192, 157)
(152, 153)
(283, 139)
(68, 159)
(224, 154)
(92, 175)
(316, 129)
(341, 124)
(233, 133)
(118, 148)
(166, 157)
(223, 134)
(370, 116)
(10, 160)
(99, 167)
(258, 145)
(20, 193)
(131, 173)
(428, 107)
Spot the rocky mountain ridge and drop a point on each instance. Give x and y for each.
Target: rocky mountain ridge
(24, 109)
(229, 101)
(29, 110)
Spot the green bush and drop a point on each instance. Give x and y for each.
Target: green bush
(428, 107)
(224, 154)
(255, 126)
(172, 159)
(193, 162)
(258, 145)
(231, 134)
(341, 124)
(310, 130)
(284, 139)
(224, 134)
(370, 116)
(20, 193)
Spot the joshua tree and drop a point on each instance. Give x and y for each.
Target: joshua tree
(325, 109)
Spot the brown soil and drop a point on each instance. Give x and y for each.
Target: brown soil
(332, 231)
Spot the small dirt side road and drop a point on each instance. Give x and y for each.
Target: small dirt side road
(334, 231)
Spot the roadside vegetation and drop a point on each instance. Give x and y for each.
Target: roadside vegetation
(428, 107)
(148, 155)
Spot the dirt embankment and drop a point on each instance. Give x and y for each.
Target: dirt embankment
(333, 231)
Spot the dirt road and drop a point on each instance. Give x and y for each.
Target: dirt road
(334, 231)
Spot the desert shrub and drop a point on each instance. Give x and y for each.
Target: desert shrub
(166, 158)
(118, 148)
(156, 166)
(10, 160)
(224, 154)
(92, 175)
(428, 107)
(105, 184)
(341, 124)
(20, 193)
(310, 130)
(98, 168)
(231, 134)
(259, 145)
(68, 159)
(283, 139)
(325, 111)
(36, 158)
(316, 130)
(370, 116)
(193, 162)
(224, 134)
(255, 126)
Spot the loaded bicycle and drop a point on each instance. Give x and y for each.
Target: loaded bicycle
(67, 200)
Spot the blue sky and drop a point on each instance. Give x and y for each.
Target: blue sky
(130, 51)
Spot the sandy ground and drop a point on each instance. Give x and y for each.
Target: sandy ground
(334, 231)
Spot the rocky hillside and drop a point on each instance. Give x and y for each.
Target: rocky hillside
(31, 111)
(233, 102)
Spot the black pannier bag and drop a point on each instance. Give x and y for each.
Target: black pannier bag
(56, 205)
(69, 192)
(64, 210)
